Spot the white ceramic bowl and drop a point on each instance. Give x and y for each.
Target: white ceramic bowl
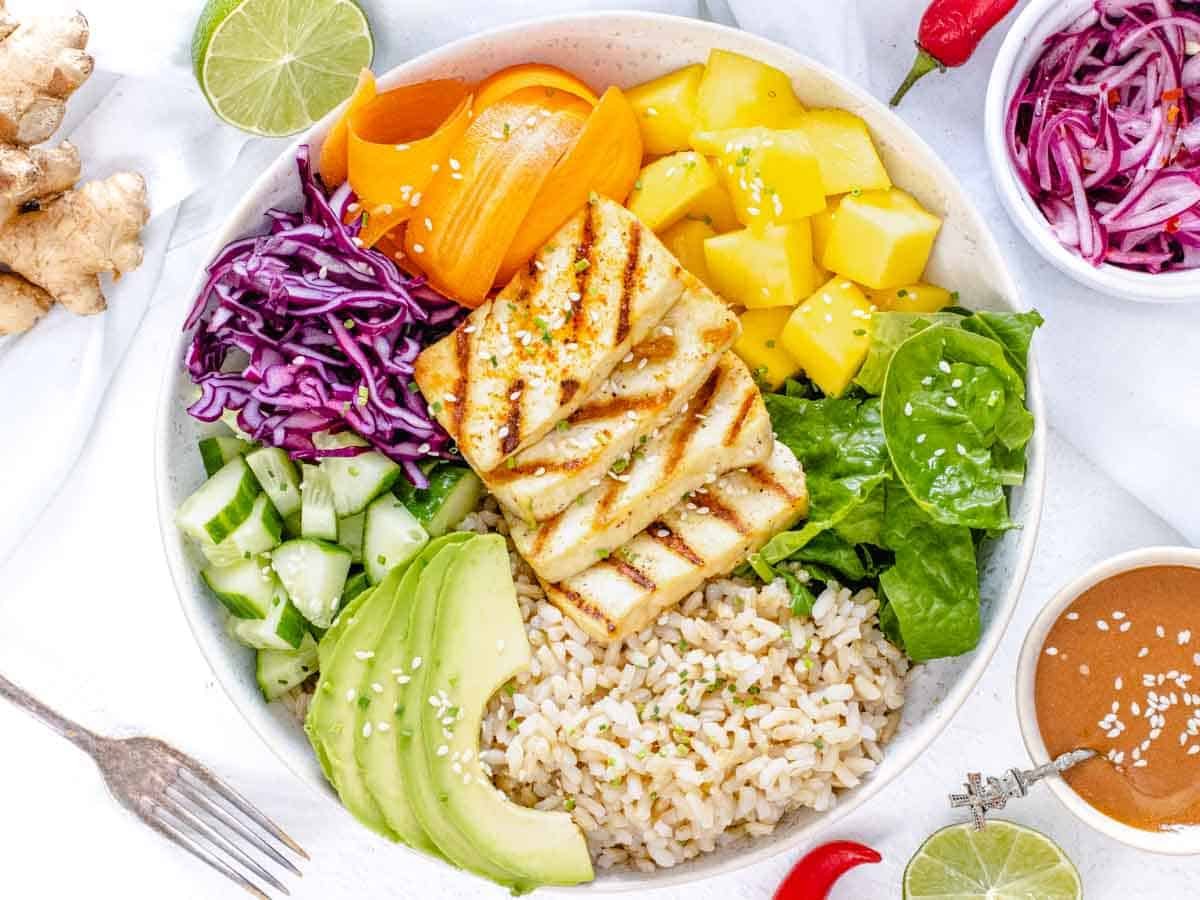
(1038, 21)
(1177, 843)
(626, 48)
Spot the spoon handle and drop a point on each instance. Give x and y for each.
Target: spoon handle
(982, 798)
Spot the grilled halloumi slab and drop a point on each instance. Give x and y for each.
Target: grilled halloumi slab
(724, 427)
(650, 386)
(531, 356)
(697, 539)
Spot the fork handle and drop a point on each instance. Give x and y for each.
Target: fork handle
(76, 734)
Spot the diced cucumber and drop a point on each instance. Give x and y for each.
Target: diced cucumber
(355, 585)
(278, 671)
(318, 518)
(278, 477)
(293, 526)
(350, 534)
(314, 575)
(284, 627)
(219, 505)
(246, 588)
(453, 492)
(216, 451)
(356, 480)
(262, 531)
(391, 537)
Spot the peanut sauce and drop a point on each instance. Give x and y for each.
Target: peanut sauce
(1119, 673)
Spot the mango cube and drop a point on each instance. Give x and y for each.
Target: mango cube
(772, 176)
(667, 188)
(915, 298)
(844, 150)
(737, 91)
(761, 267)
(829, 334)
(760, 348)
(822, 225)
(686, 240)
(714, 208)
(666, 109)
(880, 238)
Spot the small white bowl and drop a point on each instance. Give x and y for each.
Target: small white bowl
(1175, 843)
(1039, 20)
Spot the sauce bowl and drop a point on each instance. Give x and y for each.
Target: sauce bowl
(1184, 842)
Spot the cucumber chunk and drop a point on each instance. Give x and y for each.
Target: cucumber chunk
(219, 505)
(350, 534)
(284, 627)
(278, 671)
(355, 585)
(277, 474)
(392, 536)
(246, 588)
(453, 492)
(262, 531)
(216, 451)
(356, 480)
(318, 518)
(314, 575)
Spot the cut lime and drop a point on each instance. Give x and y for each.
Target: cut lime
(1002, 862)
(273, 67)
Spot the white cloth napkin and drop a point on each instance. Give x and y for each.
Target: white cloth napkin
(1123, 381)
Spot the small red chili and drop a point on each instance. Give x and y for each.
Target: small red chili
(1173, 225)
(1173, 94)
(813, 876)
(1114, 97)
(949, 32)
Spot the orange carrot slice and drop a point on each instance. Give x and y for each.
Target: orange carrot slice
(334, 163)
(606, 159)
(397, 142)
(475, 204)
(515, 78)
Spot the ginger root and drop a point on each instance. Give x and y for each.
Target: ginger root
(21, 304)
(42, 62)
(31, 174)
(65, 246)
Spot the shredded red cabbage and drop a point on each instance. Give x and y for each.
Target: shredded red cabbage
(301, 330)
(1104, 132)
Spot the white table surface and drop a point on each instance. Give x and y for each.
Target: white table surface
(89, 622)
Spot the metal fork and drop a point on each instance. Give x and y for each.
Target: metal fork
(178, 798)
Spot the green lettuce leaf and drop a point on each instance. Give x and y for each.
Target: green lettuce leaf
(888, 331)
(950, 397)
(932, 590)
(1014, 331)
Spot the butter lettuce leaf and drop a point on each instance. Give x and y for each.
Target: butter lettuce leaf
(888, 331)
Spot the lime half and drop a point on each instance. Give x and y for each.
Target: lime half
(273, 67)
(1002, 862)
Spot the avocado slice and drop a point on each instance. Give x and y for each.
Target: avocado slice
(477, 643)
(375, 748)
(333, 713)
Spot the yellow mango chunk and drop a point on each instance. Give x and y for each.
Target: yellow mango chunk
(762, 267)
(772, 176)
(822, 224)
(880, 238)
(666, 109)
(666, 189)
(737, 91)
(916, 298)
(829, 334)
(686, 240)
(714, 208)
(845, 152)
(760, 348)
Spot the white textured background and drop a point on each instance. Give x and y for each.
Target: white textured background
(88, 617)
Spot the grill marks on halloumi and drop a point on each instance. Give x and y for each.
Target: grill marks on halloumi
(528, 358)
(697, 539)
(725, 426)
(651, 385)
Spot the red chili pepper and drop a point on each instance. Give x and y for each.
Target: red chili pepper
(814, 875)
(949, 33)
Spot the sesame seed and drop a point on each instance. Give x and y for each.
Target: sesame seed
(416, 663)
(457, 176)
(366, 729)
(1102, 625)
(454, 164)
(1052, 651)
(951, 402)
(442, 750)
(908, 411)
(350, 695)
(1072, 617)
(402, 147)
(377, 687)
(944, 366)
(416, 199)
(418, 248)
(363, 654)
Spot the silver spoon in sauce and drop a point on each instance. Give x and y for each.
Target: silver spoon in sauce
(987, 795)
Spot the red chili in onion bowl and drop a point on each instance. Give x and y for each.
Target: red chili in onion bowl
(1104, 133)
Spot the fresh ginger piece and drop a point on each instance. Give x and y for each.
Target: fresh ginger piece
(29, 174)
(829, 335)
(64, 247)
(42, 62)
(21, 304)
(666, 109)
